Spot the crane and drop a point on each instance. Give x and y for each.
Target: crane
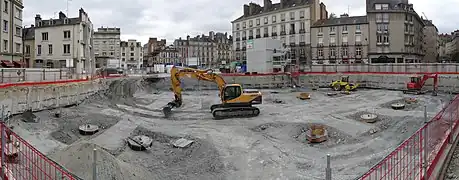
(235, 101)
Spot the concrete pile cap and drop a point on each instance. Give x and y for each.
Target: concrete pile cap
(139, 143)
(182, 143)
(369, 118)
(88, 129)
(398, 106)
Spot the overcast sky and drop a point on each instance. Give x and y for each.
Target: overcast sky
(170, 19)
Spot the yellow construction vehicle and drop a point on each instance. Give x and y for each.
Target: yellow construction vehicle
(235, 101)
(339, 85)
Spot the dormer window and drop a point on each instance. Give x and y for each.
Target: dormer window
(381, 6)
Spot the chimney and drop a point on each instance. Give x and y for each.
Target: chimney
(246, 10)
(188, 37)
(323, 11)
(282, 2)
(62, 15)
(251, 8)
(344, 15)
(37, 19)
(267, 5)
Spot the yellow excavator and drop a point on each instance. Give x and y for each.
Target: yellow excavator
(235, 101)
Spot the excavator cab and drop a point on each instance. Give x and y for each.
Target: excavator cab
(231, 91)
(414, 83)
(345, 79)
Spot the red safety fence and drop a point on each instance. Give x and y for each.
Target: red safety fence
(417, 157)
(22, 161)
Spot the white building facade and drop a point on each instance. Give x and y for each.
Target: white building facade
(11, 44)
(107, 46)
(288, 21)
(131, 54)
(65, 40)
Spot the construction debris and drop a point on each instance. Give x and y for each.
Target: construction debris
(182, 143)
(316, 133)
(304, 96)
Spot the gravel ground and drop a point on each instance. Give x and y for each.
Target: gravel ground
(269, 146)
(453, 169)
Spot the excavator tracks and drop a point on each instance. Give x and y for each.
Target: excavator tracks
(231, 112)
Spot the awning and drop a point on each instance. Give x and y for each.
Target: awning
(19, 63)
(7, 63)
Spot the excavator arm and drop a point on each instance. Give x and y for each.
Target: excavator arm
(176, 75)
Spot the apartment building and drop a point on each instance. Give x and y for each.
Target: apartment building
(107, 45)
(65, 39)
(288, 21)
(169, 55)
(396, 32)
(28, 39)
(452, 47)
(430, 43)
(341, 40)
(212, 50)
(151, 51)
(11, 45)
(443, 41)
(131, 54)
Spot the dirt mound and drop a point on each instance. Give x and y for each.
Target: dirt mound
(78, 159)
(199, 161)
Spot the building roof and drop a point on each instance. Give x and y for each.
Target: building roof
(429, 23)
(28, 33)
(274, 7)
(341, 21)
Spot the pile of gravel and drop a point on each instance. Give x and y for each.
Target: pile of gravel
(78, 159)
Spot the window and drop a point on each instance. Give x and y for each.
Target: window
(258, 32)
(237, 26)
(250, 23)
(358, 51)
(320, 52)
(320, 40)
(273, 18)
(50, 49)
(258, 21)
(238, 35)
(378, 6)
(123, 54)
(345, 38)
(292, 15)
(385, 6)
(18, 47)
(5, 8)
(18, 31)
(332, 39)
(379, 39)
(283, 17)
(250, 32)
(132, 59)
(39, 50)
(385, 17)
(385, 38)
(344, 28)
(344, 50)
(302, 26)
(321, 30)
(18, 13)
(357, 27)
(274, 29)
(292, 27)
(265, 31)
(266, 20)
(44, 36)
(132, 49)
(301, 14)
(358, 38)
(292, 39)
(283, 39)
(332, 29)
(244, 25)
(66, 48)
(243, 34)
(379, 17)
(132, 54)
(5, 26)
(302, 38)
(66, 34)
(332, 52)
(27, 49)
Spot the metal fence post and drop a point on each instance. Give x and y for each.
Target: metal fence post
(426, 121)
(328, 173)
(94, 165)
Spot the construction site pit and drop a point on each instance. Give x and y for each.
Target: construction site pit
(191, 145)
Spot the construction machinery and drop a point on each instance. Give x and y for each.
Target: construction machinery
(343, 84)
(417, 82)
(235, 101)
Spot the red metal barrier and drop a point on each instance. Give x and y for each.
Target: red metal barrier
(407, 160)
(23, 161)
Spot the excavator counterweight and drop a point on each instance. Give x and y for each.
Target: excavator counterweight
(235, 101)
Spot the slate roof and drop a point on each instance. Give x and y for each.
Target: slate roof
(275, 7)
(341, 21)
(28, 33)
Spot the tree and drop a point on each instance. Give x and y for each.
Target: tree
(332, 16)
